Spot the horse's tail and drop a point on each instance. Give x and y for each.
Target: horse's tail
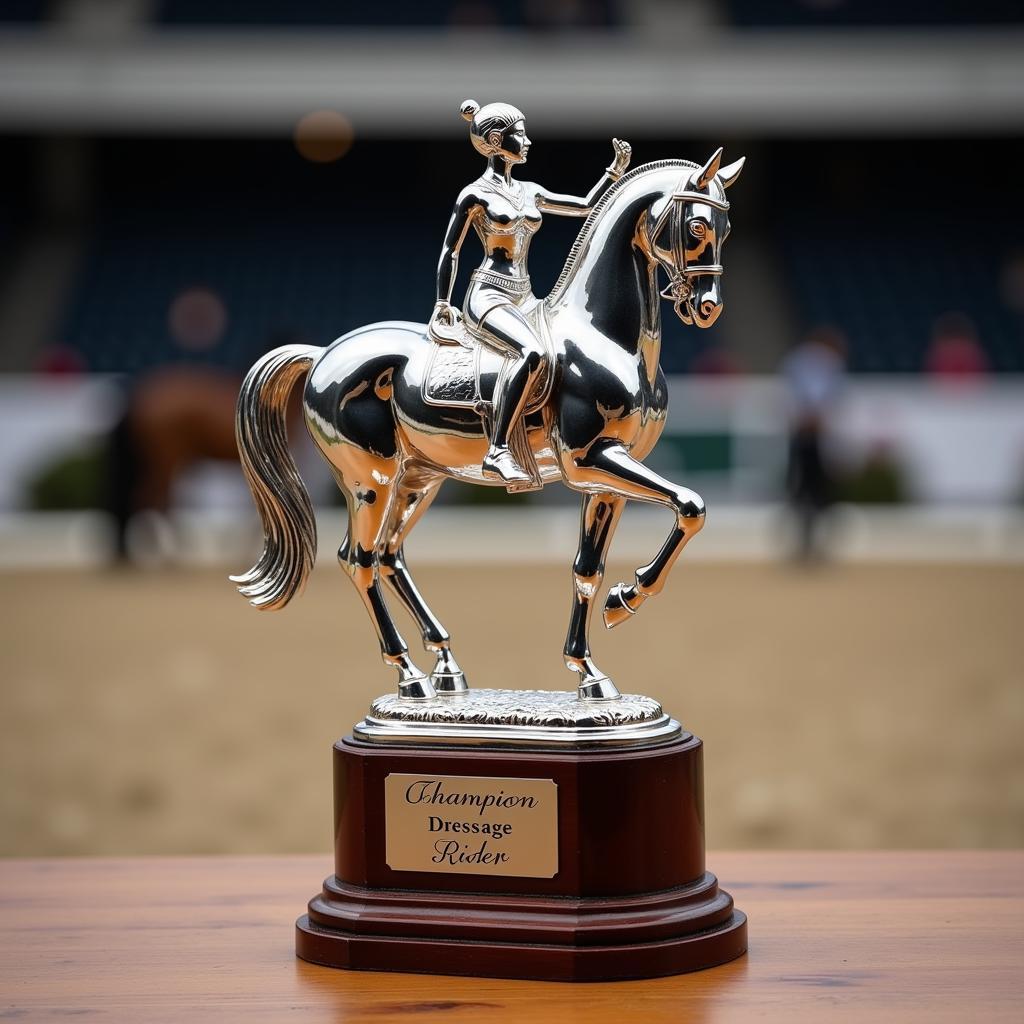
(289, 528)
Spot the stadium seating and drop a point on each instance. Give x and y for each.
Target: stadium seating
(295, 249)
(408, 13)
(305, 277)
(293, 278)
(887, 297)
(24, 11)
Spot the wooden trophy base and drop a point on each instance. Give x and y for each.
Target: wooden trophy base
(615, 889)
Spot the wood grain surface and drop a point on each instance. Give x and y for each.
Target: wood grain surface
(833, 936)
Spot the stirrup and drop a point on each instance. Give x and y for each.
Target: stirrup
(500, 462)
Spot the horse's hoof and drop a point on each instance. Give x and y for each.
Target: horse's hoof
(417, 688)
(447, 683)
(601, 688)
(617, 607)
(446, 675)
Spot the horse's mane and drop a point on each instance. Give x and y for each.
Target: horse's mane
(599, 207)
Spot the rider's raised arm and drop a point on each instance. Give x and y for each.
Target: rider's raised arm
(462, 216)
(571, 206)
(580, 206)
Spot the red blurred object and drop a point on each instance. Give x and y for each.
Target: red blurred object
(955, 351)
(715, 362)
(61, 361)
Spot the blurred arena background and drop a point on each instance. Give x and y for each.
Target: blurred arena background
(187, 183)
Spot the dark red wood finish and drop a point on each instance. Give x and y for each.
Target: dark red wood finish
(631, 898)
(629, 822)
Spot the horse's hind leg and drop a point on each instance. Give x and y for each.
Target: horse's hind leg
(598, 519)
(369, 513)
(414, 496)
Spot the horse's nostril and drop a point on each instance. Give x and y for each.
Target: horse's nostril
(707, 308)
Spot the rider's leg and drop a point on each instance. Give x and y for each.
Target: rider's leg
(510, 330)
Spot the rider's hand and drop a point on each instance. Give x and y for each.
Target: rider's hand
(623, 154)
(444, 314)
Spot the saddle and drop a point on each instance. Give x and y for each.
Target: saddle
(463, 369)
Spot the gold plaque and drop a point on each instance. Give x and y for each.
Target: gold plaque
(464, 823)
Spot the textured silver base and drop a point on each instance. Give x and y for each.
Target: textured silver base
(518, 718)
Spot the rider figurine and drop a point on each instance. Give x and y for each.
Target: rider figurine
(505, 213)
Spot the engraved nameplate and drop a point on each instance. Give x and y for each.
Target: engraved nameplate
(468, 824)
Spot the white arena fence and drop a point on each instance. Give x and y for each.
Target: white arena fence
(961, 447)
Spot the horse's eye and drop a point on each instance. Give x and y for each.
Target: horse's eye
(698, 228)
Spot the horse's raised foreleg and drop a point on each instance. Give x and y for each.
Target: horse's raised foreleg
(609, 467)
(412, 499)
(598, 518)
(369, 512)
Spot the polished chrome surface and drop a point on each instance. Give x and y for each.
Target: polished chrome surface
(536, 718)
(693, 233)
(289, 528)
(567, 388)
(505, 214)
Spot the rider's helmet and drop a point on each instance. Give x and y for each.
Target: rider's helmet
(484, 120)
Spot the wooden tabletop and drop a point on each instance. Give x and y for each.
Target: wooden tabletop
(833, 936)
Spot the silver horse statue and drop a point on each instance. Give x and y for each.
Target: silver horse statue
(521, 393)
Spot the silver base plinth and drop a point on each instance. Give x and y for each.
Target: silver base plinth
(518, 718)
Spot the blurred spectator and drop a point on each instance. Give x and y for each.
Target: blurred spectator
(813, 371)
(954, 351)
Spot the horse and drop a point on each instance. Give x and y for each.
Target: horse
(390, 448)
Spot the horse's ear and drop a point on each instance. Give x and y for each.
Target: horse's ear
(727, 175)
(709, 170)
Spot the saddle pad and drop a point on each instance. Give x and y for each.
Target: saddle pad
(451, 377)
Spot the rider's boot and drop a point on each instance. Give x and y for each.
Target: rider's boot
(509, 398)
(500, 462)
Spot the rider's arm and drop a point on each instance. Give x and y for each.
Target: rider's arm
(571, 206)
(580, 206)
(462, 217)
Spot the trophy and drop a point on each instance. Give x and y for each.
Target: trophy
(508, 833)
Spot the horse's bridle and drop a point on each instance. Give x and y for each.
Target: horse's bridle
(678, 271)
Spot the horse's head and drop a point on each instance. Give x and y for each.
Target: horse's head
(690, 227)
